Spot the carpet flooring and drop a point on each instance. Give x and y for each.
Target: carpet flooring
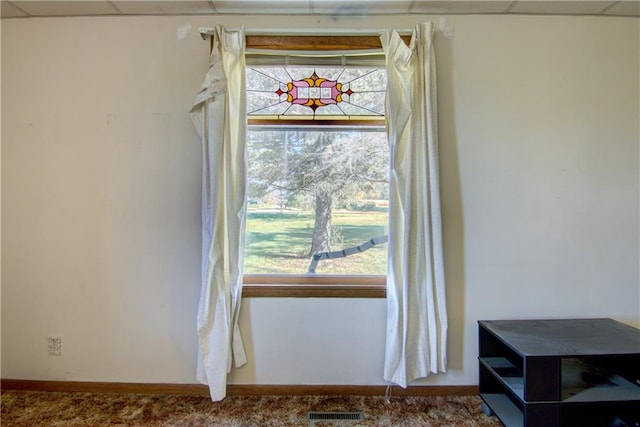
(28, 408)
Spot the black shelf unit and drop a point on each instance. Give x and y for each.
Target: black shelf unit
(560, 372)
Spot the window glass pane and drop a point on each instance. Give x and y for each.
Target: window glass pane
(330, 110)
(265, 103)
(312, 191)
(263, 80)
(353, 109)
(311, 91)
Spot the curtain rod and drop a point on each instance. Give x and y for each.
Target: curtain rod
(442, 26)
(206, 32)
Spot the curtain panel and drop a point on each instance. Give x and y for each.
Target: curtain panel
(219, 115)
(416, 340)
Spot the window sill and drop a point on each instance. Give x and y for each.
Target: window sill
(315, 286)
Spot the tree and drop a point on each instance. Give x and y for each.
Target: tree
(327, 167)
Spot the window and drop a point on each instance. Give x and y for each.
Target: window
(318, 166)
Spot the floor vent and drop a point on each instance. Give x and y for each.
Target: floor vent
(334, 416)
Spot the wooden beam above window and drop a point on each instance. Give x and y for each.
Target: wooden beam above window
(315, 43)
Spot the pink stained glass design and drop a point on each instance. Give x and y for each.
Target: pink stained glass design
(301, 92)
(314, 92)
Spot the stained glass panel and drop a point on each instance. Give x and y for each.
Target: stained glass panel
(311, 92)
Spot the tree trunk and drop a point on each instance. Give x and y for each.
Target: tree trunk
(322, 228)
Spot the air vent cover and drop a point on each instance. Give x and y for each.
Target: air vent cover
(334, 416)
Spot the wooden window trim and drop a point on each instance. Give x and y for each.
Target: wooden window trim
(318, 122)
(317, 43)
(313, 286)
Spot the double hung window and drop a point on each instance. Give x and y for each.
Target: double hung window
(318, 169)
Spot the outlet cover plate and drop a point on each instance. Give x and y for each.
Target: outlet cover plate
(54, 346)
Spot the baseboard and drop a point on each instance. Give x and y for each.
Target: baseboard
(351, 390)
(103, 387)
(235, 389)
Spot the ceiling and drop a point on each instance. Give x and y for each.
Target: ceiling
(33, 8)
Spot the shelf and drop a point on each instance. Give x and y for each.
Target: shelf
(559, 373)
(505, 409)
(507, 373)
(616, 389)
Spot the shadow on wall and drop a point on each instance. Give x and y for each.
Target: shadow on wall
(247, 373)
(451, 194)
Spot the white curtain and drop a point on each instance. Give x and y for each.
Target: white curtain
(416, 342)
(219, 116)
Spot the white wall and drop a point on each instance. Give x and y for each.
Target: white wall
(100, 196)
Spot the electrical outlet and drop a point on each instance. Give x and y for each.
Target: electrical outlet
(54, 346)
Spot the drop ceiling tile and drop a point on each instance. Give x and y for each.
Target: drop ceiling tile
(7, 10)
(624, 8)
(360, 7)
(154, 7)
(66, 8)
(460, 6)
(560, 7)
(286, 7)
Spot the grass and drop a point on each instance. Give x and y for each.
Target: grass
(278, 242)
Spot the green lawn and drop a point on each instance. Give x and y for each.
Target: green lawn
(278, 242)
